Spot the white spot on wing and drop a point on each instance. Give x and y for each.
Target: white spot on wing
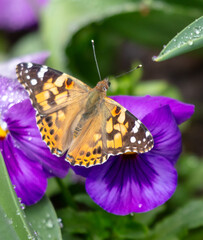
(29, 65)
(42, 71)
(137, 124)
(139, 142)
(28, 77)
(33, 82)
(147, 134)
(133, 139)
(135, 129)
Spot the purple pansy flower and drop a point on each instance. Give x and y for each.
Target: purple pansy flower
(19, 14)
(28, 159)
(140, 182)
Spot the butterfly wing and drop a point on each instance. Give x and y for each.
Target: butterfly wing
(49, 89)
(58, 99)
(114, 130)
(124, 132)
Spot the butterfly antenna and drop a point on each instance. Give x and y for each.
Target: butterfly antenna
(95, 58)
(139, 66)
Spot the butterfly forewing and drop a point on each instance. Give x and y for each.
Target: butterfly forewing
(49, 89)
(58, 99)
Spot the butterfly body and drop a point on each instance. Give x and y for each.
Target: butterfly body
(80, 121)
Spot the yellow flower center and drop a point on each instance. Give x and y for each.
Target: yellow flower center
(3, 133)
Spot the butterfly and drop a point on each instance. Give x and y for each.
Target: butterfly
(80, 121)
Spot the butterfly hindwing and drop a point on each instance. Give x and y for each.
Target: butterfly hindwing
(87, 148)
(114, 130)
(125, 133)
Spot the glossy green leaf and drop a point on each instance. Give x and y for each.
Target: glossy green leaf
(188, 217)
(11, 207)
(73, 23)
(189, 39)
(43, 218)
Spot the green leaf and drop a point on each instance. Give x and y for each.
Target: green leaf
(6, 229)
(43, 218)
(188, 217)
(99, 224)
(11, 209)
(71, 24)
(189, 39)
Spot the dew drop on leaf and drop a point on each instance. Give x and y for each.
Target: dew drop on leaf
(190, 42)
(49, 223)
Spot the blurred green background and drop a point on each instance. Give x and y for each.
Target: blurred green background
(126, 33)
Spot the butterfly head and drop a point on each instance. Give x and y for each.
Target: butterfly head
(103, 85)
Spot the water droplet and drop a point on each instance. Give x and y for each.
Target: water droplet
(4, 98)
(49, 223)
(49, 235)
(190, 42)
(154, 58)
(17, 212)
(197, 30)
(164, 46)
(10, 221)
(140, 205)
(30, 138)
(14, 186)
(132, 214)
(60, 222)
(3, 125)
(47, 215)
(22, 205)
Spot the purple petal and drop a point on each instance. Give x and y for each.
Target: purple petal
(166, 134)
(11, 93)
(132, 183)
(8, 69)
(141, 106)
(19, 14)
(22, 126)
(26, 175)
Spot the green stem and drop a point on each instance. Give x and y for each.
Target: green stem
(66, 194)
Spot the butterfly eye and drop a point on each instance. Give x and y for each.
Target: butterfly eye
(109, 84)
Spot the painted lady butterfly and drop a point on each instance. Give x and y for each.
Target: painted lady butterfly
(79, 120)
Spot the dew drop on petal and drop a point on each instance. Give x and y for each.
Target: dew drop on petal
(4, 98)
(140, 205)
